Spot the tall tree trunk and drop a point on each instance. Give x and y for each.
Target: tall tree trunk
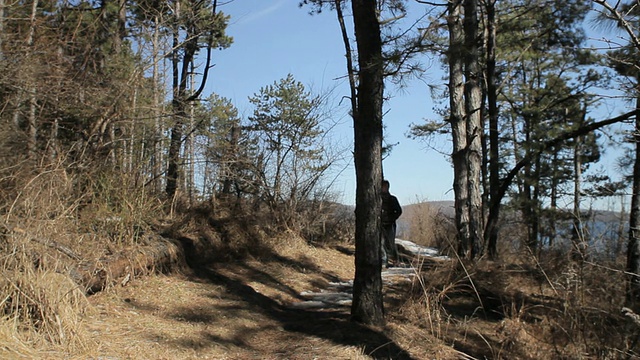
(347, 47)
(579, 246)
(175, 145)
(458, 124)
(157, 129)
(579, 235)
(526, 196)
(536, 206)
(53, 148)
(189, 144)
(473, 109)
(131, 158)
(633, 249)
(121, 32)
(178, 105)
(553, 206)
(32, 127)
(2, 6)
(180, 83)
(491, 233)
(367, 304)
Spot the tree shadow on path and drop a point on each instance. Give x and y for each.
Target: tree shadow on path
(334, 326)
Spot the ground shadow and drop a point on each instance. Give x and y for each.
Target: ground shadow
(334, 325)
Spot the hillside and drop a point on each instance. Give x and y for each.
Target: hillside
(214, 306)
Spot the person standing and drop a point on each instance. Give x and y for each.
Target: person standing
(391, 211)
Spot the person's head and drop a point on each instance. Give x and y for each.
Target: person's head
(385, 186)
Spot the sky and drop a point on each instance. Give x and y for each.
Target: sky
(273, 38)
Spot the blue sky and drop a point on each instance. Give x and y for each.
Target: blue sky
(273, 38)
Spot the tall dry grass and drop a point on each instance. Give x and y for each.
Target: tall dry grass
(429, 226)
(53, 220)
(522, 305)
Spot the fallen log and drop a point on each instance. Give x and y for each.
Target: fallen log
(162, 255)
(158, 254)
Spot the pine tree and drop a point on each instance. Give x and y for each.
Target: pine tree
(291, 157)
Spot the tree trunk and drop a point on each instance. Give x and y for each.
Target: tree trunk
(175, 144)
(551, 230)
(536, 207)
(458, 125)
(347, 47)
(179, 110)
(494, 134)
(473, 109)
(579, 246)
(189, 145)
(2, 5)
(32, 127)
(175, 140)
(633, 249)
(367, 304)
(156, 162)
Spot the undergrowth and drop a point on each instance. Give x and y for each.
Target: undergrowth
(518, 307)
(525, 307)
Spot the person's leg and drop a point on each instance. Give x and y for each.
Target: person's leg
(389, 242)
(393, 254)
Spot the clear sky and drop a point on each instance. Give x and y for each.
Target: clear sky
(273, 38)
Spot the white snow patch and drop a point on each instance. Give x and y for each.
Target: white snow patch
(418, 250)
(340, 294)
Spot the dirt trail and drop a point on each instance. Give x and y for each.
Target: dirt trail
(246, 310)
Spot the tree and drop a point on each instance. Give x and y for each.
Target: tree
(366, 82)
(290, 162)
(367, 304)
(203, 26)
(625, 16)
(547, 80)
(474, 128)
(530, 52)
(227, 149)
(457, 120)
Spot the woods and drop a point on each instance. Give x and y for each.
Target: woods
(108, 130)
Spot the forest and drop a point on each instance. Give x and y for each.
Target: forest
(116, 166)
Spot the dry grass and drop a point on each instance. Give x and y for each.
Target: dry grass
(232, 302)
(49, 231)
(42, 310)
(429, 226)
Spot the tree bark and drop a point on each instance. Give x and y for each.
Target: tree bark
(367, 304)
(32, 126)
(577, 235)
(475, 131)
(179, 85)
(633, 249)
(175, 142)
(458, 124)
(2, 15)
(494, 132)
(156, 162)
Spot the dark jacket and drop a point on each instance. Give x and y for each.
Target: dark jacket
(391, 209)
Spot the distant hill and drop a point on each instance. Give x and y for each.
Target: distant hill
(445, 208)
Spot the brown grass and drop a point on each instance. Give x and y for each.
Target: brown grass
(230, 298)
